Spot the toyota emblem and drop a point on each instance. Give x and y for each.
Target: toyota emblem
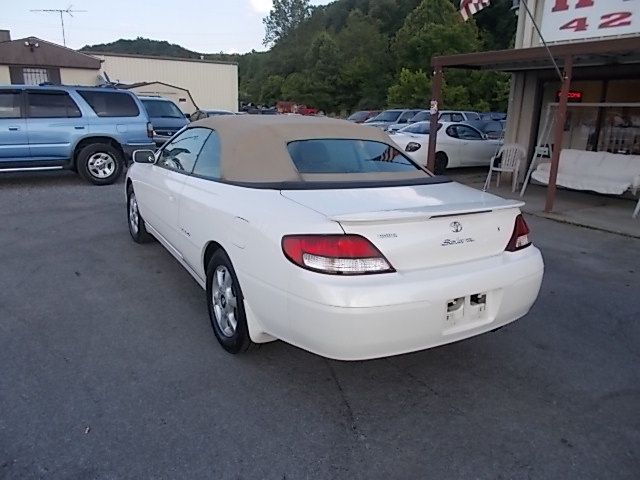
(456, 227)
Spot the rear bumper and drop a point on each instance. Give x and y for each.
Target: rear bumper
(383, 315)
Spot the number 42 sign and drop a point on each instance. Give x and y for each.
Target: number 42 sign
(564, 20)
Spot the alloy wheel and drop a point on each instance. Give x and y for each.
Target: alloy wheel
(225, 301)
(134, 215)
(101, 165)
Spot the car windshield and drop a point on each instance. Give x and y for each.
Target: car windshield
(358, 116)
(421, 116)
(162, 109)
(386, 116)
(329, 156)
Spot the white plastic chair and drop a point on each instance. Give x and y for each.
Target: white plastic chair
(511, 156)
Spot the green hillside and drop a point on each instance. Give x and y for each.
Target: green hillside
(353, 54)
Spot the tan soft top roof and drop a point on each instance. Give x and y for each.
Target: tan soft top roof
(253, 148)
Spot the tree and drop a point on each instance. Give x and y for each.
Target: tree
(323, 60)
(271, 90)
(297, 88)
(365, 64)
(433, 28)
(284, 18)
(411, 90)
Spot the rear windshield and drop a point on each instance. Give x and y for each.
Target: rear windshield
(162, 109)
(110, 104)
(330, 156)
(422, 128)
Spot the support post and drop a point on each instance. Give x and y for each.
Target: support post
(436, 90)
(558, 132)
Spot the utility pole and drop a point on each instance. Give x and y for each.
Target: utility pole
(59, 11)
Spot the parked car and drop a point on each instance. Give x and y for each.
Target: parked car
(494, 129)
(458, 116)
(362, 115)
(90, 130)
(200, 114)
(321, 233)
(472, 118)
(165, 116)
(421, 116)
(388, 117)
(499, 116)
(457, 145)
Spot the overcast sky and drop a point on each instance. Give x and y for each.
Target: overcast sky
(204, 26)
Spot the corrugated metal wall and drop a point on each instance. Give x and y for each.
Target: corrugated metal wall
(212, 85)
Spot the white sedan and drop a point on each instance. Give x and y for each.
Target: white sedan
(457, 145)
(321, 233)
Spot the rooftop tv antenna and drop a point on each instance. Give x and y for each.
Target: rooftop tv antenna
(69, 11)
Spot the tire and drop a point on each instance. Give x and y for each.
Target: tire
(100, 163)
(135, 221)
(225, 303)
(441, 163)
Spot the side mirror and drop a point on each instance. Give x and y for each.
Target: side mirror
(485, 136)
(187, 116)
(412, 147)
(144, 156)
(403, 120)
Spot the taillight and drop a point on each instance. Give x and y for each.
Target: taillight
(335, 254)
(149, 130)
(520, 236)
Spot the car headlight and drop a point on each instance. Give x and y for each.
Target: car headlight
(412, 147)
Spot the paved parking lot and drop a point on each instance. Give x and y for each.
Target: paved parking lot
(109, 368)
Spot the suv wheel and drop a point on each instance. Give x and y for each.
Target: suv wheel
(100, 163)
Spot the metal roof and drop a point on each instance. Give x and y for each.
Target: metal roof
(592, 53)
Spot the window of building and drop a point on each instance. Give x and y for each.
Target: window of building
(10, 104)
(208, 164)
(603, 125)
(51, 104)
(34, 76)
(110, 104)
(181, 153)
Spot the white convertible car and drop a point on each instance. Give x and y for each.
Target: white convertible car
(457, 145)
(321, 233)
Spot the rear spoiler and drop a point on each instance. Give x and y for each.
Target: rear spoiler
(427, 212)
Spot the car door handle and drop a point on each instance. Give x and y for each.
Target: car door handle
(14, 129)
(79, 128)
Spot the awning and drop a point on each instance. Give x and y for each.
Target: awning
(617, 51)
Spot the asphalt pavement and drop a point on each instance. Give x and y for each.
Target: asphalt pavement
(109, 368)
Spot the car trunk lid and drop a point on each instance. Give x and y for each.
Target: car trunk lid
(419, 226)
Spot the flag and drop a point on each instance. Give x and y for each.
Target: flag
(388, 155)
(471, 7)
